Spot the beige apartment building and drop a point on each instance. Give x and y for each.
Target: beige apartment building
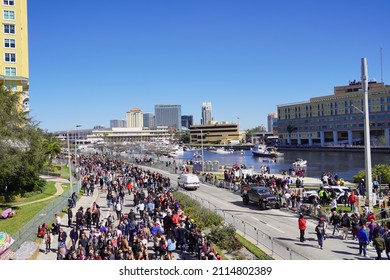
(337, 119)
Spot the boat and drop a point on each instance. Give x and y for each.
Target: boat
(221, 151)
(176, 151)
(299, 162)
(261, 150)
(197, 155)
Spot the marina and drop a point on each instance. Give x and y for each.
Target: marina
(346, 165)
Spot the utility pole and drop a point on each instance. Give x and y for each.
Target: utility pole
(367, 143)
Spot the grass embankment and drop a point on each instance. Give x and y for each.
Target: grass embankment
(25, 213)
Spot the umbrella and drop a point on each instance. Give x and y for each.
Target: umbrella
(6, 213)
(5, 242)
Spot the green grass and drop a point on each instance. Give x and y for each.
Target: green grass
(49, 191)
(64, 170)
(27, 212)
(253, 249)
(23, 215)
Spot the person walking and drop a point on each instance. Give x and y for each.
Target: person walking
(48, 238)
(363, 240)
(302, 227)
(320, 231)
(379, 245)
(345, 224)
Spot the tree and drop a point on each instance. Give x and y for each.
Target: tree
(22, 155)
(52, 146)
(381, 171)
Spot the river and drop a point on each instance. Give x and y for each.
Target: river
(345, 164)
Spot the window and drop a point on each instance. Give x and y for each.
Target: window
(10, 71)
(9, 28)
(10, 57)
(12, 86)
(10, 15)
(9, 43)
(9, 2)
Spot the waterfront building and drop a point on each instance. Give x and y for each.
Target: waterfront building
(272, 122)
(134, 118)
(114, 135)
(118, 123)
(187, 121)
(215, 133)
(168, 115)
(206, 113)
(148, 120)
(14, 72)
(337, 119)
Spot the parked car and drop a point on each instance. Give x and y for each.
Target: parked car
(309, 196)
(261, 196)
(189, 181)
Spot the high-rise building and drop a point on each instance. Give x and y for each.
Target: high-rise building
(187, 121)
(134, 118)
(168, 115)
(118, 123)
(149, 120)
(14, 72)
(206, 113)
(272, 121)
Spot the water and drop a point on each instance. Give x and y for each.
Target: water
(345, 164)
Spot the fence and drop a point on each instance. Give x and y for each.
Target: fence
(28, 232)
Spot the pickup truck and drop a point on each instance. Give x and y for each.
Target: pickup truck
(261, 196)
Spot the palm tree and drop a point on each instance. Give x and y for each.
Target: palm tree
(51, 146)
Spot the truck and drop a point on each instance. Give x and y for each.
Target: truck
(261, 196)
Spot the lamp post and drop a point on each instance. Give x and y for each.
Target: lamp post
(70, 164)
(75, 150)
(367, 144)
(201, 136)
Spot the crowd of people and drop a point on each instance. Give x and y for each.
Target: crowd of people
(153, 227)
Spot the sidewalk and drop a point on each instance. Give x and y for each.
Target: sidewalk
(86, 201)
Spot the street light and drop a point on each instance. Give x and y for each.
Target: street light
(367, 144)
(75, 150)
(201, 136)
(70, 164)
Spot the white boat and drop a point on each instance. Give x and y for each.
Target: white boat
(299, 162)
(262, 150)
(197, 155)
(176, 151)
(222, 151)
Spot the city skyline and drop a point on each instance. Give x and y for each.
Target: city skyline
(244, 58)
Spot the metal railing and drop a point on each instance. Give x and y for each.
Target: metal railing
(28, 232)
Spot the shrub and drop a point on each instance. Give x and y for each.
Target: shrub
(224, 237)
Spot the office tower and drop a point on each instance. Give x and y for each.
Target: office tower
(14, 37)
(148, 120)
(168, 115)
(206, 113)
(134, 118)
(187, 121)
(117, 123)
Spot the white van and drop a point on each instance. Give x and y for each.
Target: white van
(189, 181)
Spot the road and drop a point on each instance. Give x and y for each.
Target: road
(279, 226)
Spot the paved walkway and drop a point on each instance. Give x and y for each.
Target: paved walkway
(86, 201)
(59, 190)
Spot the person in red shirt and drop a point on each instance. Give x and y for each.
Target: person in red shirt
(352, 201)
(302, 227)
(371, 217)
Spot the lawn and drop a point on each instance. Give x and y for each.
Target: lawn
(25, 213)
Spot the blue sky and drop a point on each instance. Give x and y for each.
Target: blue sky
(93, 61)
